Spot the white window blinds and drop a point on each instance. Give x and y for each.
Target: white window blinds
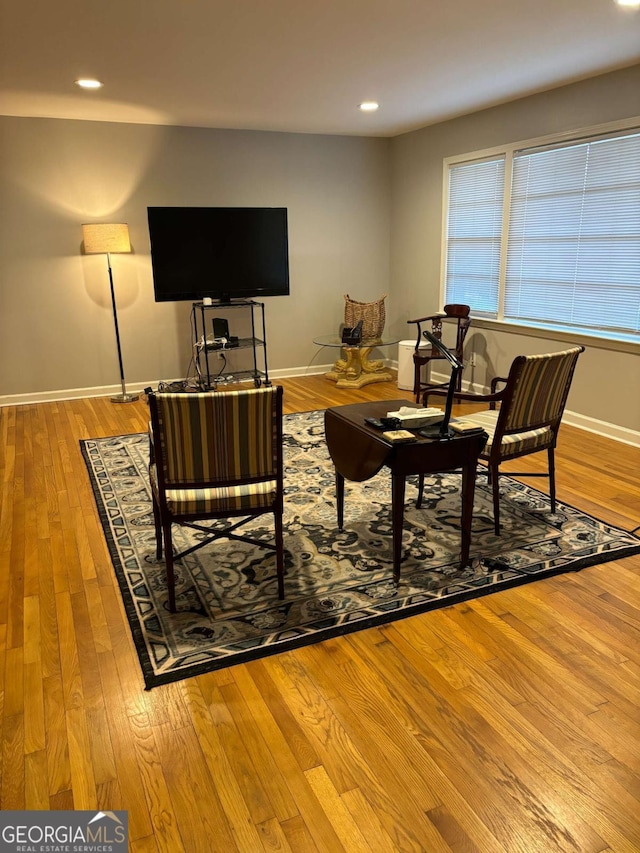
(573, 255)
(474, 234)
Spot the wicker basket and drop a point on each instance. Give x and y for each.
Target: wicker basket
(372, 315)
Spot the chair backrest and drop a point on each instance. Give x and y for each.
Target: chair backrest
(217, 438)
(461, 314)
(537, 390)
(464, 321)
(454, 309)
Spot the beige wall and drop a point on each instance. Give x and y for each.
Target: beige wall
(56, 326)
(607, 383)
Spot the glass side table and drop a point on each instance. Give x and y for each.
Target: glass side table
(355, 370)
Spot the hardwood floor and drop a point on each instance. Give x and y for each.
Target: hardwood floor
(510, 723)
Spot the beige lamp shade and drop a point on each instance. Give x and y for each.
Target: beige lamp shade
(102, 238)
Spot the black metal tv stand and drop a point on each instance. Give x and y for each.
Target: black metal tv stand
(241, 360)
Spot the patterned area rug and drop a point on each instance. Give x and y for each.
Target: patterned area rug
(336, 581)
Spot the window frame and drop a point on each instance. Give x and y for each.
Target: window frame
(499, 323)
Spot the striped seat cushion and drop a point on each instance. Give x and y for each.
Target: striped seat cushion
(530, 440)
(249, 496)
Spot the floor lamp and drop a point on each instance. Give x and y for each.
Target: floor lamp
(108, 239)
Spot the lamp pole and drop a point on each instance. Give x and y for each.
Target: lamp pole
(123, 397)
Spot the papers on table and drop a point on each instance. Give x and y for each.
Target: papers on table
(414, 418)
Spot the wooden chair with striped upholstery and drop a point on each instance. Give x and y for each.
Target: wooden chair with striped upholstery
(216, 455)
(531, 406)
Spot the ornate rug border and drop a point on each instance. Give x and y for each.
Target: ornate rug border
(150, 679)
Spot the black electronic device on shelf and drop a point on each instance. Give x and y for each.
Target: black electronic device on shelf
(220, 328)
(442, 430)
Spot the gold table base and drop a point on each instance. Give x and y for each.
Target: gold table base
(356, 371)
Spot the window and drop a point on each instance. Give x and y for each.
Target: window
(549, 236)
(476, 192)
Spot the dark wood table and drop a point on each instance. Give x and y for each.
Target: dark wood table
(359, 451)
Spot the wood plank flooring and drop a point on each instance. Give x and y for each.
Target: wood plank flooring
(508, 724)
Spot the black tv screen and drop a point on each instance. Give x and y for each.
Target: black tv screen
(222, 253)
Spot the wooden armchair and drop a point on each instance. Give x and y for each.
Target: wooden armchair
(528, 419)
(424, 354)
(216, 455)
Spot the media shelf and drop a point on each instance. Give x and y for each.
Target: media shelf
(243, 343)
(214, 370)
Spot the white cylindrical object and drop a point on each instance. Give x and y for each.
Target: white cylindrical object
(405, 364)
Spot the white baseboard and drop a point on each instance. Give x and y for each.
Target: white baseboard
(309, 370)
(61, 395)
(72, 394)
(604, 428)
(608, 430)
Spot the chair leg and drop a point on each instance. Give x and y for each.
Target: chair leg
(279, 552)
(171, 579)
(420, 491)
(158, 527)
(340, 500)
(493, 471)
(552, 478)
(416, 381)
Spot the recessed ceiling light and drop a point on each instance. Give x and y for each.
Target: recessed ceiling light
(89, 84)
(369, 106)
(629, 4)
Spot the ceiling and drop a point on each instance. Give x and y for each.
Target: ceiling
(300, 65)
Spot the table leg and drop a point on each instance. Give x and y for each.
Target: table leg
(397, 517)
(367, 366)
(340, 499)
(353, 367)
(468, 492)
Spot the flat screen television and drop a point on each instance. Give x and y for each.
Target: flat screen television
(221, 253)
